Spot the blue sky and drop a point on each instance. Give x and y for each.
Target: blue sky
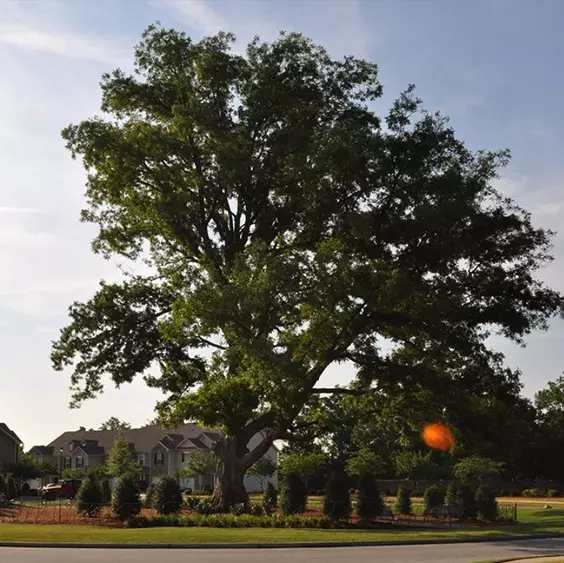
(494, 66)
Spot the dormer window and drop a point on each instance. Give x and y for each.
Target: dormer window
(71, 446)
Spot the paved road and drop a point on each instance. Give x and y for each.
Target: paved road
(457, 553)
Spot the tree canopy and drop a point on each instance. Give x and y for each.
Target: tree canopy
(120, 460)
(199, 463)
(114, 423)
(287, 227)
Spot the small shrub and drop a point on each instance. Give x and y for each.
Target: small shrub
(270, 497)
(167, 498)
(433, 499)
(552, 493)
(259, 509)
(3, 490)
(486, 504)
(192, 502)
(126, 502)
(534, 493)
(106, 491)
(293, 494)
(239, 509)
(150, 495)
(403, 501)
(206, 507)
(337, 501)
(89, 497)
(369, 502)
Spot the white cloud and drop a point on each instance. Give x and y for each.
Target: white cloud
(64, 44)
(195, 13)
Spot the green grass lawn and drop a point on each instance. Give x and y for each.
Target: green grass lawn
(533, 519)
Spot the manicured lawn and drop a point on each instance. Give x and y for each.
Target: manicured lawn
(93, 534)
(533, 519)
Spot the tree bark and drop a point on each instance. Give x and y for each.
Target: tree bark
(229, 488)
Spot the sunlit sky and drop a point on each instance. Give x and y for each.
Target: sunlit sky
(493, 66)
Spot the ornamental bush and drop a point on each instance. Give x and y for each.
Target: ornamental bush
(337, 501)
(167, 498)
(150, 495)
(486, 504)
(270, 497)
(293, 494)
(462, 497)
(369, 501)
(10, 485)
(89, 497)
(433, 499)
(126, 502)
(106, 491)
(403, 501)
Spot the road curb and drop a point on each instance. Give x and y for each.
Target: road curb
(289, 545)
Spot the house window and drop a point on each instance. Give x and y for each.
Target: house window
(79, 461)
(67, 462)
(185, 456)
(141, 459)
(159, 458)
(71, 446)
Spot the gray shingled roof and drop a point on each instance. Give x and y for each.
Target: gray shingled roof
(4, 428)
(44, 450)
(143, 439)
(198, 443)
(92, 449)
(171, 441)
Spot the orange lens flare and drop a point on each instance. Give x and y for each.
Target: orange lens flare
(438, 437)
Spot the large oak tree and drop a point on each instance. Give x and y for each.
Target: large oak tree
(287, 227)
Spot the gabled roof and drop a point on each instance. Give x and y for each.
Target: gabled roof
(10, 433)
(171, 441)
(91, 449)
(192, 442)
(43, 450)
(143, 440)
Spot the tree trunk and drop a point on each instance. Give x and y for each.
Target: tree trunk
(229, 488)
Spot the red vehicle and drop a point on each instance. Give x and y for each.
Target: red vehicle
(63, 489)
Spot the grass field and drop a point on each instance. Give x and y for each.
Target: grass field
(533, 519)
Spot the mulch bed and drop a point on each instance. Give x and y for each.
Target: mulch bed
(66, 514)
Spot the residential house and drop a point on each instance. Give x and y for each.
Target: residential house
(10, 445)
(158, 451)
